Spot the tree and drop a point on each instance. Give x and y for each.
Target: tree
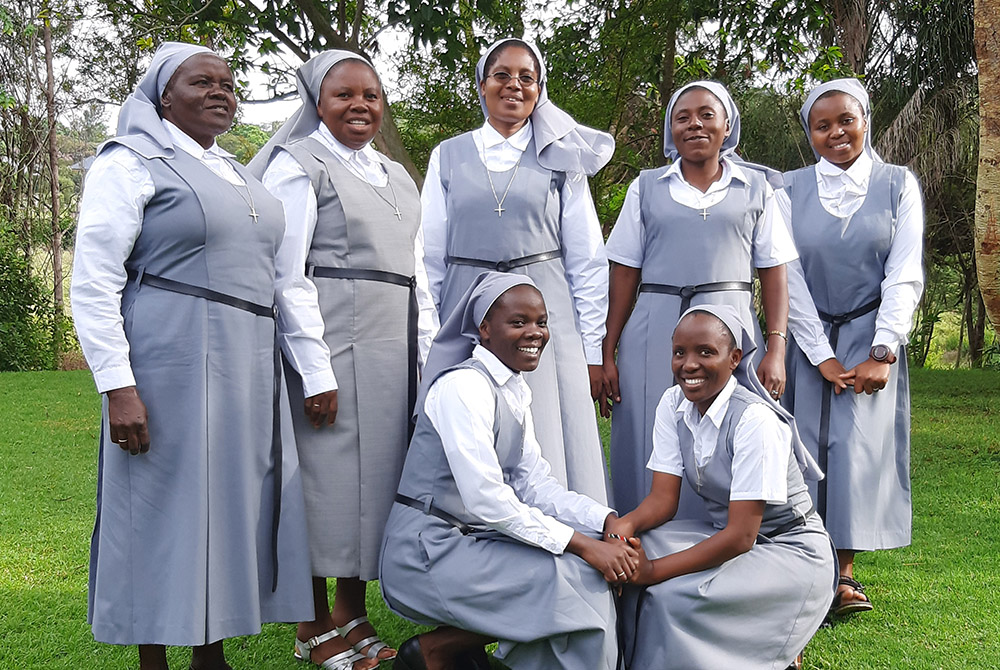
(987, 40)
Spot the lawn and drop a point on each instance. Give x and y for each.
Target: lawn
(937, 603)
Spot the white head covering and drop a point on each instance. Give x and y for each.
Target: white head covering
(308, 80)
(746, 376)
(459, 334)
(856, 90)
(561, 144)
(139, 124)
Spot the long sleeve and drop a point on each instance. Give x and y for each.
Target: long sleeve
(904, 274)
(586, 263)
(115, 195)
(299, 317)
(434, 225)
(427, 318)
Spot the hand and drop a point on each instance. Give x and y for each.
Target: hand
(771, 371)
(128, 421)
(322, 409)
(614, 560)
(622, 527)
(869, 376)
(833, 371)
(612, 392)
(598, 384)
(643, 573)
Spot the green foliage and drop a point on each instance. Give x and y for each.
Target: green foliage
(243, 140)
(26, 319)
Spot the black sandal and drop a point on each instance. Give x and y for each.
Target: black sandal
(839, 608)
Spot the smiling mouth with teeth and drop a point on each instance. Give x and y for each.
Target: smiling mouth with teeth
(529, 350)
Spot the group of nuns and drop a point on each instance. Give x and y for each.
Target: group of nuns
(311, 370)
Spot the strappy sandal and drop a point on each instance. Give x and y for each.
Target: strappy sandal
(797, 663)
(373, 643)
(840, 608)
(345, 660)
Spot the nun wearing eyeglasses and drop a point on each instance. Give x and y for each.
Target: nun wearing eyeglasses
(482, 541)
(352, 247)
(512, 196)
(200, 533)
(858, 224)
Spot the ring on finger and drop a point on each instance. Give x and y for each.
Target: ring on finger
(621, 574)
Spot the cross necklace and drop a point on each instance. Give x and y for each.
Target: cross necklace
(499, 208)
(393, 203)
(249, 202)
(703, 213)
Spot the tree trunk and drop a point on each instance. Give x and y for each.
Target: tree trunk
(987, 38)
(850, 20)
(50, 108)
(389, 142)
(668, 68)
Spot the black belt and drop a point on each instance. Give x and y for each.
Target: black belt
(174, 286)
(505, 266)
(835, 321)
(785, 527)
(429, 508)
(688, 292)
(411, 319)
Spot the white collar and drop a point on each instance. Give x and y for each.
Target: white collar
(501, 373)
(184, 141)
(519, 140)
(730, 171)
(716, 413)
(366, 152)
(858, 173)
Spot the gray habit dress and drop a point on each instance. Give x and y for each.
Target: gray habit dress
(350, 470)
(548, 611)
(181, 550)
(755, 611)
(862, 442)
(566, 421)
(682, 250)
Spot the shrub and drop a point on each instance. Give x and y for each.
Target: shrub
(26, 319)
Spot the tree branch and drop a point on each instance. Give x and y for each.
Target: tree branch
(321, 24)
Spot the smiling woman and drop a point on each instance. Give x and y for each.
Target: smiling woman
(199, 533)
(352, 247)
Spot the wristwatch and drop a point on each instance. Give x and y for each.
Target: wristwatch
(882, 353)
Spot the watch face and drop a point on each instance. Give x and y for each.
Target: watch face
(880, 353)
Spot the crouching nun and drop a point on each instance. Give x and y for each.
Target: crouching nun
(483, 542)
(750, 588)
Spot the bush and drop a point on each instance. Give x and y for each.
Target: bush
(26, 319)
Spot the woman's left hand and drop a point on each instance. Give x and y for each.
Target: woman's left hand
(869, 376)
(771, 372)
(643, 573)
(599, 386)
(321, 409)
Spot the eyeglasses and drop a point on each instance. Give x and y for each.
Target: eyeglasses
(504, 77)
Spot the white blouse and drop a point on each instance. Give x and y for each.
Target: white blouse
(287, 180)
(580, 231)
(842, 192)
(461, 407)
(772, 243)
(761, 444)
(117, 190)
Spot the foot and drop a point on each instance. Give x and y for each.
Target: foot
(850, 597)
(329, 648)
(363, 633)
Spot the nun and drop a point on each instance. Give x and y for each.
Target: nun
(482, 541)
(352, 250)
(199, 533)
(749, 588)
(512, 196)
(691, 233)
(858, 225)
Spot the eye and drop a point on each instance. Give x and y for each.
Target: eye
(501, 76)
(709, 114)
(372, 96)
(543, 323)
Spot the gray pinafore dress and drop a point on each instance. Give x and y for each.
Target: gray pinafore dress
(709, 258)
(527, 239)
(755, 611)
(548, 611)
(361, 261)
(182, 546)
(862, 442)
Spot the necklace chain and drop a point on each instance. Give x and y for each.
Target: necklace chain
(393, 204)
(248, 199)
(499, 208)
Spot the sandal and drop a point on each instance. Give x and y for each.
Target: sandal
(797, 663)
(345, 660)
(373, 643)
(840, 608)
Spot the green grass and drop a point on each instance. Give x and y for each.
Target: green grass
(937, 603)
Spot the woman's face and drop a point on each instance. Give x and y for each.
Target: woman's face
(837, 128)
(516, 328)
(698, 125)
(200, 98)
(703, 358)
(350, 103)
(511, 103)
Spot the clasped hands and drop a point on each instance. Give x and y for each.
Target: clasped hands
(868, 376)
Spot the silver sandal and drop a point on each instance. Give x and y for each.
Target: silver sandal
(373, 642)
(345, 660)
